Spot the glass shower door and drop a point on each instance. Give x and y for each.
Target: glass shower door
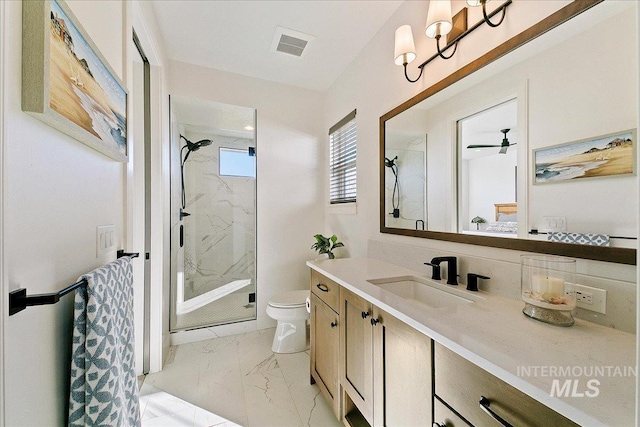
(215, 269)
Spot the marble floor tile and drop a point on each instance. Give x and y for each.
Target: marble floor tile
(255, 353)
(311, 405)
(159, 408)
(222, 392)
(235, 381)
(269, 401)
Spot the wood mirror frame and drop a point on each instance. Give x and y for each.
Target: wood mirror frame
(598, 253)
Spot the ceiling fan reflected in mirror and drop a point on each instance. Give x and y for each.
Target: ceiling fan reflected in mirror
(503, 147)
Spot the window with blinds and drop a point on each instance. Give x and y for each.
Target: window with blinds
(342, 160)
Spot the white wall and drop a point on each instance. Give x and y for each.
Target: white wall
(491, 180)
(56, 191)
(289, 175)
(561, 111)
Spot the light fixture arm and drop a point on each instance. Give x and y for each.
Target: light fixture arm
(407, 76)
(487, 19)
(455, 47)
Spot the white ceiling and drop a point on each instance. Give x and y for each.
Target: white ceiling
(236, 36)
(212, 118)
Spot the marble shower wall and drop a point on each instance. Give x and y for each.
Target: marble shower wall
(219, 236)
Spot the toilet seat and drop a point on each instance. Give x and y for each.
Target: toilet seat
(293, 299)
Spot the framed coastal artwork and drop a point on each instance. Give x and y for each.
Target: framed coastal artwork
(67, 83)
(601, 156)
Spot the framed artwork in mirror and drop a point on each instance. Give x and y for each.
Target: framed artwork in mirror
(597, 157)
(67, 83)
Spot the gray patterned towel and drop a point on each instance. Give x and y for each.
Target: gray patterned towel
(579, 238)
(104, 388)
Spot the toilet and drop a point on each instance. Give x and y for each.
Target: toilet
(290, 310)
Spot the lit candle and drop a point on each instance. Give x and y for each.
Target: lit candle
(547, 286)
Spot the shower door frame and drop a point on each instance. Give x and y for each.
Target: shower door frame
(173, 275)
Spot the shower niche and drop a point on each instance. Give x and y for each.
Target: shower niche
(213, 213)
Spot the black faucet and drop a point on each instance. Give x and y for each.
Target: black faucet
(436, 271)
(472, 281)
(452, 269)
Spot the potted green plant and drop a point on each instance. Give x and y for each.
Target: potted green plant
(326, 245)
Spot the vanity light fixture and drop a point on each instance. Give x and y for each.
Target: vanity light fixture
(487, 19)
(439, 23)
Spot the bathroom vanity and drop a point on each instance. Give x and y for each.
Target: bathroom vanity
(384, 352)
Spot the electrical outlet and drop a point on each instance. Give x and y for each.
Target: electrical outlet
(554, 223)
(589, 298)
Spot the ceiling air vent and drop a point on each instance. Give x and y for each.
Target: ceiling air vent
(290, 42)
(291, 45)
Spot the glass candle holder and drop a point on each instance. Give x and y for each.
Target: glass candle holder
(548, 288)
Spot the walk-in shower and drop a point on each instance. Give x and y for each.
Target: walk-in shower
(213, 258)
(405, 179)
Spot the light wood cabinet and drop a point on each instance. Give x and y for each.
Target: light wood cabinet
(386, 366)
(325, 340)
(376, 370)
(462, 385)
(356, 353)
(326, 289)
(445, 417)
(402, 381)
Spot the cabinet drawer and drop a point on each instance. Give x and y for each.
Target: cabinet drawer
(445, 417)
(461, 384)
(326, 289)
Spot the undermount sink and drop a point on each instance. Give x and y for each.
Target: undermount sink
(421, 291)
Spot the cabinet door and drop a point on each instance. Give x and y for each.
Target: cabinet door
(402, 373)
(324, 351)
(356, 352)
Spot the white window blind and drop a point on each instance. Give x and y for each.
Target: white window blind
(342, 163)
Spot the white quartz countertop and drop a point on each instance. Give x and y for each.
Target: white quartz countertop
(494, 334)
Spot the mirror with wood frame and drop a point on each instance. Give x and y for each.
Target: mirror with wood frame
(468, 159)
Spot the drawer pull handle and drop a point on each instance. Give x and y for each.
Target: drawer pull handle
(374, 322)
(322, 287)
(484, 405)
(365, 314)
(333, 325)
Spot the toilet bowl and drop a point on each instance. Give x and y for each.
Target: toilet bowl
(290, 311)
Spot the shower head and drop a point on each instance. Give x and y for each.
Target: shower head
(390, 163)
(202, 143)
(195, 146)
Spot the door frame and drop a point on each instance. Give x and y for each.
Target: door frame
(158, 194)
(3, 281)
(146, 178)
